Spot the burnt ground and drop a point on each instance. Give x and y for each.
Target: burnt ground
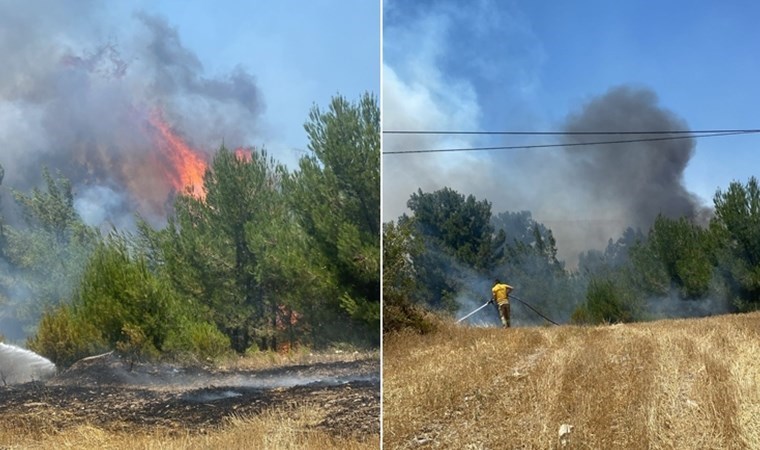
(108, 393)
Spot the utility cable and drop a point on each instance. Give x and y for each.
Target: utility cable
(567, 133)
(571, 144)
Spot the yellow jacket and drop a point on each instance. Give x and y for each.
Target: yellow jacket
(501, 293)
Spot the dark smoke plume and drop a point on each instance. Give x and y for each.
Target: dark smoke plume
(643, 178)
(79, 99)
(589, 194)
(586, 195)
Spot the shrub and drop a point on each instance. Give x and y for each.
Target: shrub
(399, 315)
(199, 339)
(606, 302)
(63, 338)
(118, 291)
(120, 304)
(134, 345)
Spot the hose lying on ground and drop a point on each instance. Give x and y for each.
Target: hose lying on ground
(533, 309)
(513, 297)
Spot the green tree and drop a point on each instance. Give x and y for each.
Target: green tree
(2, 221)
(209, 251)
(401, 246)
(615, 256)
(677, 252)
(5, 278)
(290, 276)
(48, 256)
(118, 290)
(530, 264)
(459, 225)
(525, 235)
(335, 193)
(647, 271)
(608, 301)
(458, 240)
(121, 304)
(736, 226)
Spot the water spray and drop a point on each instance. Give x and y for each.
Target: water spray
(514, 298)
(18, 365)
(468, 315)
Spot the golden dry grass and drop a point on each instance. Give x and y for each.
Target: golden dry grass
(275, 429)
(269, 360)
(685, 384)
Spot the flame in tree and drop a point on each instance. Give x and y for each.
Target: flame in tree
(183, 165)
(244, 154)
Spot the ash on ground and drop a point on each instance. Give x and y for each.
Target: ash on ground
(112, 393)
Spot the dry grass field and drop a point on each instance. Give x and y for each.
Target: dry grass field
(275, 429)
(672, 384)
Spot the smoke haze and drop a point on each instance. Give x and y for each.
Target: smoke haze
(589, 194)
(585, 194)
(78, 93)
(482, 67)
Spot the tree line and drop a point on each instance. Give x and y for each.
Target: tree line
(269, 259)
(451, 247)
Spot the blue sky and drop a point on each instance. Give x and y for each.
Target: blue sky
(300, 53)
(528, 65)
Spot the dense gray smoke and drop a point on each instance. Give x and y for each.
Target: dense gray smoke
(641, 179)
(589, 194)
(585, 194)
(90, 103)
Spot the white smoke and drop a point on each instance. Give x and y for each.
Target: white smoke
(97, 204)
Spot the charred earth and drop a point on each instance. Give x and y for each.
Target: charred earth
(110, 393)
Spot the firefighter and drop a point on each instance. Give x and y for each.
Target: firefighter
(500, 297)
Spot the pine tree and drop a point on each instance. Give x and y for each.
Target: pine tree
(335, 194)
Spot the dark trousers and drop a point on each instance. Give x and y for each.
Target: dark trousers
(504, 314)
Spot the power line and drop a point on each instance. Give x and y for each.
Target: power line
(568, 133)
(572, 144)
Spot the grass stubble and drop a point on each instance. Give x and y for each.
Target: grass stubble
(690, 383)
(279, 428)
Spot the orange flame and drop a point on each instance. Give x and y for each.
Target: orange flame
(185, 166)
(244, 154)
